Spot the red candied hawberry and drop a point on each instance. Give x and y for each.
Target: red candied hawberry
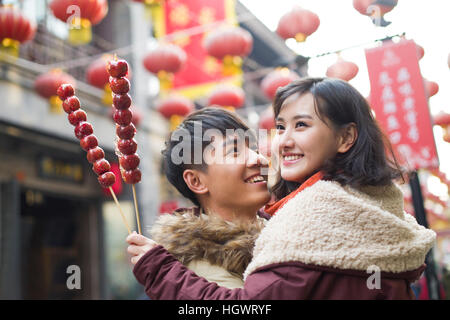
(64, 91)
(76, 117)
(95, 154)
(83, 129)
(119, 85)
(71, 104)
(89, 142)
(122, 117)
(107, 179)
(101, 166)
(126, 132)
(132, 176)
(121, 101)
(117, 68)
(127, 146)
(129, 162)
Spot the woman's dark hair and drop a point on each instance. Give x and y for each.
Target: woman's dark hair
(206, 119)
(366, 162)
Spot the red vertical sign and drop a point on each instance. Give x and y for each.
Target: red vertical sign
(401, 106)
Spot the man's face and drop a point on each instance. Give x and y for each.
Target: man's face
(236, 175)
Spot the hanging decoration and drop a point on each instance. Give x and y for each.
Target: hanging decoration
(163, 61)
(98, 76)
(80, 15)
(443, 120)
(48, 83)
(276, 79)
(375, 9)
(227, 96)
(431, 88)
(342, 69)
(187, 23)
(298, 23)
(15, 29)
(175, 108)
(229, 44)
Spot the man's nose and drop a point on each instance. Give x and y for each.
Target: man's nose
(256, 159)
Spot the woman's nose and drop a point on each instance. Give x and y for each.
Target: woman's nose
(285, 141)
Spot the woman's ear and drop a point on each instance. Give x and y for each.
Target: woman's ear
(349, 134)
(194, 181)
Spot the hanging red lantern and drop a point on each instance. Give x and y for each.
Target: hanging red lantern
(227, 96)
(165, 60)
(229, 44)
(267, 120)
(276, 79)
(175, 108)
(298, 23)
(443, 120)
(375, 9)
(341, 69)
(15, 29)
(48, 83)
(81, 15)
(98, 76)
(431, 88)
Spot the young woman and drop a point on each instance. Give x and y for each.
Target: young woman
(338, 231)
(215, 239)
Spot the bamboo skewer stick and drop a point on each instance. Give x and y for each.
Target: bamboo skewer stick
(120, 209)
(136, 209)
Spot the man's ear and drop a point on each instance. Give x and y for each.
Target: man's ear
(195, 181)
(349, 134)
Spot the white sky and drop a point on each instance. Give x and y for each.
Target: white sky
(341, 26)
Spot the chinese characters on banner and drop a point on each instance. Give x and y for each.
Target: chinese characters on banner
(185, 23)
(400, 103)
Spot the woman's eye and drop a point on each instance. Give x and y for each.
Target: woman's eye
(300, 124)
(279, 127)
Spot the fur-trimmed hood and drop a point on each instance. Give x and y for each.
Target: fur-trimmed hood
(190, 235)
(344, 228)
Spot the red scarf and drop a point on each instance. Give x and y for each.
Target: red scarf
(273, 208)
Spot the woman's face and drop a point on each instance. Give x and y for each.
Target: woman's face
(303, 142)
(236, 175)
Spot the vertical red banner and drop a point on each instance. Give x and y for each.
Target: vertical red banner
(185, 23)
(400, 103)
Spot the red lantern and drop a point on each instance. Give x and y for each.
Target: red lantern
(431, 88)
(267, 120)
(299, 24)
(47, 84)
(164, 61)
(363, 7)
(175, 108)
(276, 79)
(344, 70)
(227, 96)
(15, 29)
(229, 44)
(443, 120)
(98, 76)
(81, 14)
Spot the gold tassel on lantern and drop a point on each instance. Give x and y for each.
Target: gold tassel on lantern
(55, 105)
(174, 122)
(300, 37)
(107, 95)
(9, 47)
(165, 80)
(80, 32)
(232, 65)
(152, 9)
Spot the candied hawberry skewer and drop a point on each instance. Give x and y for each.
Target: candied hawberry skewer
(88, 142)
(125, 130)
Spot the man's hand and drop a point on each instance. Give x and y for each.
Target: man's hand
(138, 246)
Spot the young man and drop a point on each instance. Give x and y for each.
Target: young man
(212, 160)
